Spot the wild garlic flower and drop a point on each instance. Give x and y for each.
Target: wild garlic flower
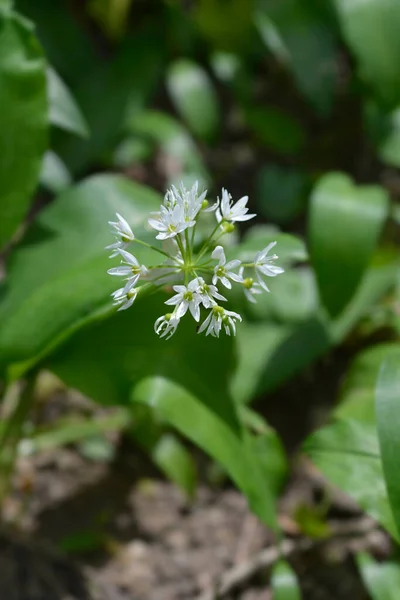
(264, 265)
(123, 235)
(223, 269)
(125, 296)
(228, 211)
(194, 272)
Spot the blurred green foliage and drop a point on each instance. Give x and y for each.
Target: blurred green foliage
(294, 102)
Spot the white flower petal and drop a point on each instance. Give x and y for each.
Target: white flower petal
(225, 281)
(263, 253)
(218, 254)
(120, 271)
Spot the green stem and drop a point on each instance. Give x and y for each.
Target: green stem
(153, 248)
(188, 246)
(207, 243)
(184, 255)
(12, 433)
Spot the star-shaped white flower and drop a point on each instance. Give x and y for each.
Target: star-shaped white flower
(219, 317)
(223, 269)
(132, 269)
(166, 325)
(186, 298)
(250, 288)
(125, 296)
(124, 235)
(170, 222)
(233, 212)
(208, 293)
(263, 265)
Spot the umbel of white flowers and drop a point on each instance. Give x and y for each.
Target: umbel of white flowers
(195, 273)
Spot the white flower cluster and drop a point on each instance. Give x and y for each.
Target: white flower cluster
(196, 272)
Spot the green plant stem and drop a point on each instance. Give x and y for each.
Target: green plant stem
(12, 433)
(188, 246)
(207, 243)
(185, 255)
(152, 247)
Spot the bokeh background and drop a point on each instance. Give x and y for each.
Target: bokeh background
(139, 459)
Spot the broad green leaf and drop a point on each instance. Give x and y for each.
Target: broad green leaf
(276, 129)
(293, 298)
(384, 130)
(268, 447)
(165, 449)
(64, 38)
(54, 174)
(371, 30)
(194, 97)
(23, 120)
(280, 192)
(169, 377)
(357, 397)
(344, 225)
(64, 112)
(132, 150)
(57, 278)
(284, 582)
(304, 40)
(172, 139)
(347, 453)
(171, 456)
(110, 93)
(195, 418)
(289, 248)
(270, 353)
(382, 580)
(388, 424)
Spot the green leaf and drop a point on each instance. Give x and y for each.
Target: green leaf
(57, 278)
(270, 353)
(172, 139)
(382, 580)
(64, 38)
(110, 93)
(289, 248)
(23, 120)
(165, 449)
(171, 456)
(293, 298)
(194, 97)
(303, 39)
(280, 192)
(276, 129)
(54, 174)
(64, 111)
(388, 423)
(347, 453)
(268, 447)
(371, 30)
(169, 377)
(344, 225)
(357, 398)
(284, 582)
(198, 421)
(384, 130)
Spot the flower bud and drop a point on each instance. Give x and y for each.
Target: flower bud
(228, 227)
